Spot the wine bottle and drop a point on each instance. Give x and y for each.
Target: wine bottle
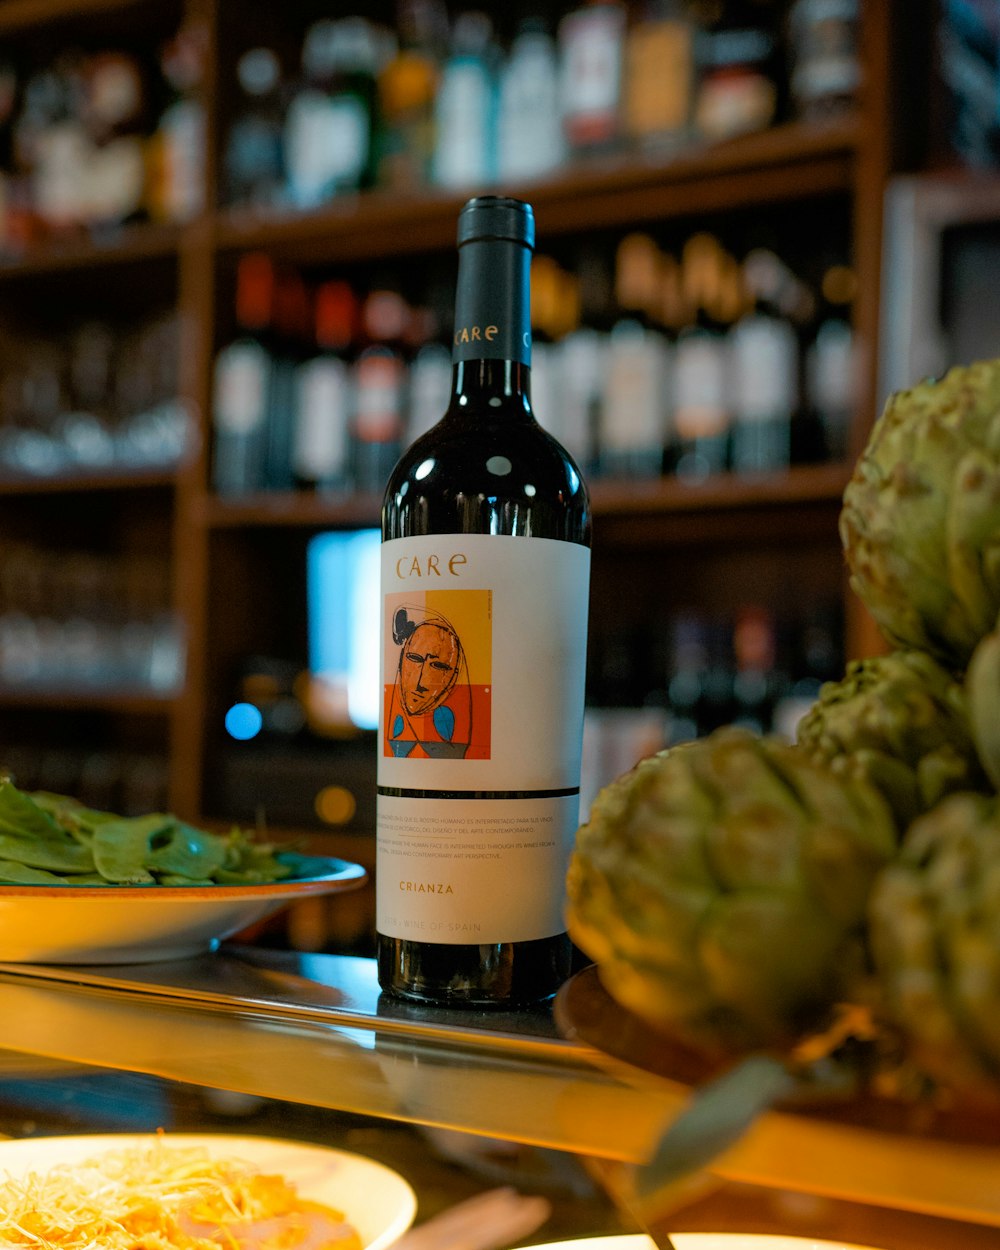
(485, 576)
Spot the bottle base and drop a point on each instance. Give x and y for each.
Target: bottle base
(497, 976)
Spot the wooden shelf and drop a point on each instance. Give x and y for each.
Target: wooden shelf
(788, 162)
(131, 244)
(288, 509)
(88, 698)
(22, 15)
(96, 480)
(810, 484)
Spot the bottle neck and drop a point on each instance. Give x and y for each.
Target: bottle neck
(501, 384)
(492, 311)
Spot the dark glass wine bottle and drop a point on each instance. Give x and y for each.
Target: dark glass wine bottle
(485, 581)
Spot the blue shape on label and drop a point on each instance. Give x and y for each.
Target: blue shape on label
(444, 722)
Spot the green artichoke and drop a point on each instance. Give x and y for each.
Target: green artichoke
(721, 886)
(935, 940)
(921, 517)
(901, 721)
(982, 690)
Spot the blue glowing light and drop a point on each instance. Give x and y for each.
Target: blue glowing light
(243, 721)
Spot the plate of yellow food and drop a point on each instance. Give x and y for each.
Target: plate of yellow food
(84, 886)
(196, 1191)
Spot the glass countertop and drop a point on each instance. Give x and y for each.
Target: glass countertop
(314, 1029)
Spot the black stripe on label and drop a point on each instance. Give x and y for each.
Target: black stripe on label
(398, 792)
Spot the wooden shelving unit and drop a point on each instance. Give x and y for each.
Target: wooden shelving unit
(131, 243)
(106, 480)
(793, 165)
(791, 162)
(108, 699)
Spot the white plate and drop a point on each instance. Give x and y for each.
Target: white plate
(377, 1201)
(109, 924)
(698, 1241)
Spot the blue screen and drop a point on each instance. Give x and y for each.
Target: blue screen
(342, 584)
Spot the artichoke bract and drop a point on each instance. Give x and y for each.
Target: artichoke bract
(935, 939)
(901, 721)
(982, 691)
(721, 888)
(920, 522)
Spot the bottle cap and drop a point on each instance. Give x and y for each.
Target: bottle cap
(496, 217)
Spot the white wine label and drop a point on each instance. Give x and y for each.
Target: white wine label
(484, 642)
(473, 870)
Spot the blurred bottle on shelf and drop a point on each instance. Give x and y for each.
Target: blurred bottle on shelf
(716, 706)
(617, 673)
(291, 343)
(152, 424)
(659, 77)
(703, 403)
(323, 401)
(53, 144)
(93, 397)
(429, 383)
(429, 380)
(176, 156)
(831, 365)
(379, 381)
(329, 138)
(78, 620)
(554, 314)
(242, 385)
(615, 739)
(591, 52)
(754, 665)
(757, 682)
(407, 88)
(825, 65)
(85, 429)
(740, 79)
(30, 400)
(115, 117)
(95, 138)
(253, 161)
(465, 109)
(764, 360)
(636, 400)
(817, 656)
(582, 360)
(687, 669)
(530, 139)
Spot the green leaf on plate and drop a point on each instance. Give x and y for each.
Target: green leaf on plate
(44, 834)
(187, 852)
(12, 873)
(67, 856)
(122, 847)
(70, 814)
(21, 817)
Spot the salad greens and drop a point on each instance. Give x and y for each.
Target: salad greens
(51, 839)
